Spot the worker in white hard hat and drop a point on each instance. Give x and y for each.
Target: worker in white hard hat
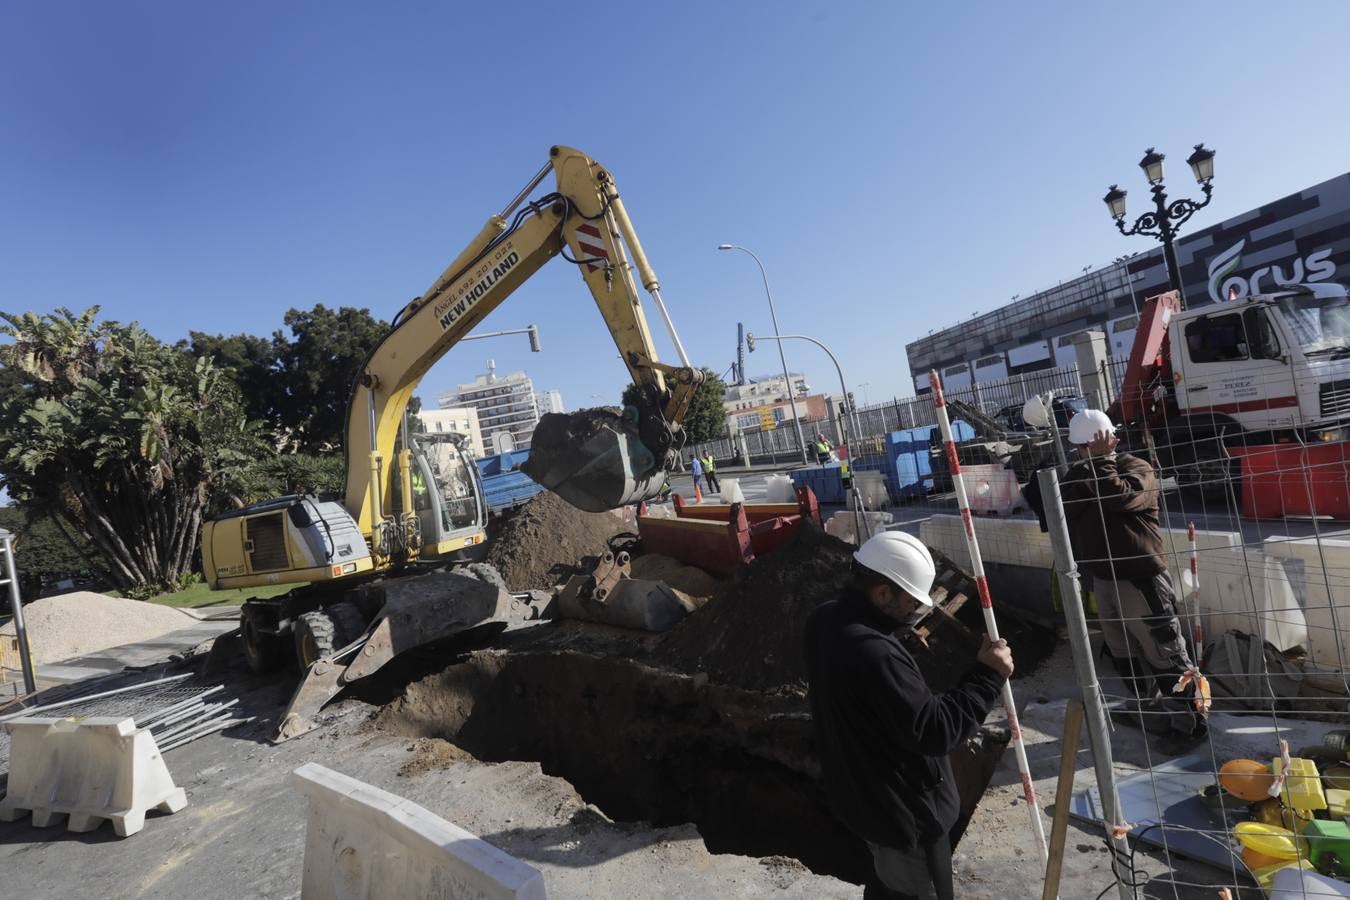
(882, 736)
(1111, 505)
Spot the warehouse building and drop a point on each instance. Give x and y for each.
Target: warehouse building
(1304, 237)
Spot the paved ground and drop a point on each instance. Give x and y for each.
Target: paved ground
(242, 834)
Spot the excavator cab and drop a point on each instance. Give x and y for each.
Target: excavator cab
(447, 495)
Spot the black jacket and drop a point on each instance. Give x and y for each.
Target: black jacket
(1111, 507)
(882, 736)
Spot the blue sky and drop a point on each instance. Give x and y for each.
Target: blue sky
(896, 166)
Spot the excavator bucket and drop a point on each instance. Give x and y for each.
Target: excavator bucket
(415, 611)
(594, 460)
(607, 593)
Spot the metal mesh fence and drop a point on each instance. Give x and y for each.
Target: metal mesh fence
(1215, 562)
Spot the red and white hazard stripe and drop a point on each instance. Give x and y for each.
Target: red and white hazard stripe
(592, 243)
(1197, 623)
(987, 607)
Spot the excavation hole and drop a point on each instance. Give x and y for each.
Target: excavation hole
(645, 744)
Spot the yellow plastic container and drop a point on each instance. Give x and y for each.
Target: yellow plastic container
(1303, 785)
(1271, 840)
(1273, 812)
(1265, 876)
(1337, 777)
(1338, 803)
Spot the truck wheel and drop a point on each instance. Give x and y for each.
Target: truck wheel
(315, 637)
(263, 652)
(349, 621)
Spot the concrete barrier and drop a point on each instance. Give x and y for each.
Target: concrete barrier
(362, 842)
(1243, 588)
(1014, 542)
(1319, 576)
(89, 770)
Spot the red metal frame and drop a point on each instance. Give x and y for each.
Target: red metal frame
(1150, 361)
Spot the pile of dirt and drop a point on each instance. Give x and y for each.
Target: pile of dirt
(690, 582)
(429, 754)
(539, 543)
(83, 622)
(751, 634)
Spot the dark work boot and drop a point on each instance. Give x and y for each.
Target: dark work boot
(1136, 674)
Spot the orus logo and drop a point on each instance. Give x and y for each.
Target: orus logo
(1313, 267)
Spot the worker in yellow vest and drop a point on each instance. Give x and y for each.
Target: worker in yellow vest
(823, 448)
(710, 472)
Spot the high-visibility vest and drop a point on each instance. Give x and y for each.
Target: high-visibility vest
(708, 464)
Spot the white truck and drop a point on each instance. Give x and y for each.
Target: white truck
(1267, 369)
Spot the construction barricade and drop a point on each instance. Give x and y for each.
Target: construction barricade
(88, 770)
(362, 842)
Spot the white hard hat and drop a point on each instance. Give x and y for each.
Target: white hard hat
(1034, 412)
(903, 559)
(1083, 427)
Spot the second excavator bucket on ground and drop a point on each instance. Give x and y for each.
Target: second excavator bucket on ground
(594, 460)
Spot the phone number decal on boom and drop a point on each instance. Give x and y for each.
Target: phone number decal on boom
(451, 309)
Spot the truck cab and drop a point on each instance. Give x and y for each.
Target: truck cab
(1272, 367)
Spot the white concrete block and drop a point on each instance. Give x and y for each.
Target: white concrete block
(1243, 588)
(362, 842)
(1016, 542)
(1319, 576)
(89, 770)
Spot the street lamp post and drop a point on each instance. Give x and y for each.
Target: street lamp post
(773, 316)
(1166, 219)
(859, 519)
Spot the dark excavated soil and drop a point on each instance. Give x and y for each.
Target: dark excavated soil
(539, 544)
(648, 744)
(751, 635)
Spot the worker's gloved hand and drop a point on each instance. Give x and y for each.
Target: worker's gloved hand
(1103, 442)
(997, 655)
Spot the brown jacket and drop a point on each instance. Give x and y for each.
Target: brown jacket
(1111, 505)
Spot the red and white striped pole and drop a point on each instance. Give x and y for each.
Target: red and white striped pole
(1191, 591)
(987, 607)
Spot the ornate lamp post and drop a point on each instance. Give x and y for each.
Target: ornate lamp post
(1166, 219)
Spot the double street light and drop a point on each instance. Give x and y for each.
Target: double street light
(845, 438)
(1166, 219)
(773, 316)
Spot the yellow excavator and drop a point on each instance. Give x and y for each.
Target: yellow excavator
(414, 502)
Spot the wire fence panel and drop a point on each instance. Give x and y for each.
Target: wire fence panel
(1214, 544)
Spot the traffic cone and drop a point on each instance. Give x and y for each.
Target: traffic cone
(698, 494)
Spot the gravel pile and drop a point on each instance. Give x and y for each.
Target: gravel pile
(83, 622)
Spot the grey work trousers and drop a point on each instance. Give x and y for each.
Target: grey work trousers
(1132, 629)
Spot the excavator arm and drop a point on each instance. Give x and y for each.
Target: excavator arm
(584, 220)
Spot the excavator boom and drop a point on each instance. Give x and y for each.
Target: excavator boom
(620, 459)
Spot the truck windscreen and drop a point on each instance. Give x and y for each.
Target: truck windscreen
(1320, 325)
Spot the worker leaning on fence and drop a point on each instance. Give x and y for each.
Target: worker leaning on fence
(1111, 505)
(882, 737)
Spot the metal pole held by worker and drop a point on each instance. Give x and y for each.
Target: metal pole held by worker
(1099, 735)
(987, 607)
